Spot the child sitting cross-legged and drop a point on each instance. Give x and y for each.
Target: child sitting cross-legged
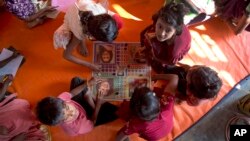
(77, 111)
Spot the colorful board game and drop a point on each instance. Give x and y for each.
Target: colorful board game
(123, 66)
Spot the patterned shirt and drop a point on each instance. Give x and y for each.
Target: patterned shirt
(21, 8)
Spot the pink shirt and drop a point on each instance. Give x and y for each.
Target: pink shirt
(18, 118)
(153, 130)
(81, 125)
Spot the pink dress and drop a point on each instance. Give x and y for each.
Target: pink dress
(18, 118)
(79, 126)
(63, 5)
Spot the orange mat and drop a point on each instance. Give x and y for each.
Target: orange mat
(46, 73)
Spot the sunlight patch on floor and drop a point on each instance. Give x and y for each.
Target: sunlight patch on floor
(123, 13)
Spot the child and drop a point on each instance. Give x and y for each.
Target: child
(17, 122)
(151, 114)
(196, 83)
(167, 40)
(237, 12)
(85, 20)
(76, 111)
(33, 12)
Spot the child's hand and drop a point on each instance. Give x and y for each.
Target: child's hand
(95, 68)
(94, 80)
(100, 95)
(165, 99)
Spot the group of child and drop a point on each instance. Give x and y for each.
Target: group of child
(150, 110)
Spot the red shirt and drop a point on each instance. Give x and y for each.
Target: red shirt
(152, 130)
(164, 53)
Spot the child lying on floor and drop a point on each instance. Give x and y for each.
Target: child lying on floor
(85, 20)
(17, 122)
(77, 111)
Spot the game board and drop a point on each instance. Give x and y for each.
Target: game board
(123, 65)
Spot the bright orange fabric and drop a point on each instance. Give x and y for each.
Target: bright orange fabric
(46, 73)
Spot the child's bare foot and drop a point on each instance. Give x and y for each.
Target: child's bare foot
(83, 50)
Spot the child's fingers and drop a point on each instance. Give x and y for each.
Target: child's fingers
(101, 93)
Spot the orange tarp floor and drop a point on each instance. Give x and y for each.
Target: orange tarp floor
(46, 73)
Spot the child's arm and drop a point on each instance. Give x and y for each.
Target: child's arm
(121, 136)
(243, 23)
(99, 101)
(78, 89)
(185, 66)
(172, 81)
(67, 54)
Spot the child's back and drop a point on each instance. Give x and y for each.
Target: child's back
(151, 118)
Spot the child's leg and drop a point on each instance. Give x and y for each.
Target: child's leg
(82, 49)
(106, 114)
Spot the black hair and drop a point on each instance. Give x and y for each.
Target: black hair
(173, 14)
(50, 110)
(144, 104)
(205, 82)
(102, 49)
(102, 27)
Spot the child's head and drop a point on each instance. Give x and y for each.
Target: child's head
(144, 104)
(106, 55)
(168, 21)
(53, 111)
(202, 83)
(102, 27)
